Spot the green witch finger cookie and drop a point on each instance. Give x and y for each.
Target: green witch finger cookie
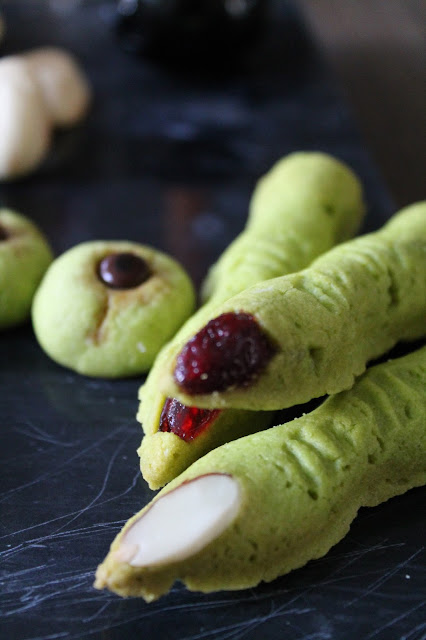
(303, 206)
(106, 308)
(24, 257)
(297, 337)
(256, 508)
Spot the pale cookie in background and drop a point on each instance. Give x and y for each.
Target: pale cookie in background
(24, 257)
(106, 308)
(25, 129)
(39, 90)
(65, 88)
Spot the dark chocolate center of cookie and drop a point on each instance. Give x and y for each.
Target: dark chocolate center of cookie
(3, 233)
(123, 270)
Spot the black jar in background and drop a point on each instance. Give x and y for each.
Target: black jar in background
(190, 32)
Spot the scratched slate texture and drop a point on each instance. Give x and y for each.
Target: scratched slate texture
(169, 158)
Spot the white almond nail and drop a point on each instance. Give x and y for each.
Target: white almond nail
(182, 522)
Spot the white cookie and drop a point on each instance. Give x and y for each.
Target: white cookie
(64, 86)
(24, 122)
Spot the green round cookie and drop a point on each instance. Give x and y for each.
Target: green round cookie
(106, 308)
(24, 257)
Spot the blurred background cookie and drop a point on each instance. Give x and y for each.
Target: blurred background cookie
(39, 90)
(65, 88)
(24, 257)
(25, 128)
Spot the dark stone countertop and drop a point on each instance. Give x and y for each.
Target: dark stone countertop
(170, 159)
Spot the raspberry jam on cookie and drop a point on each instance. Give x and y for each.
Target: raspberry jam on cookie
(231, 350)
(185, 422)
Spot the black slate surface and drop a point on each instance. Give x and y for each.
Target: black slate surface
(169, 159)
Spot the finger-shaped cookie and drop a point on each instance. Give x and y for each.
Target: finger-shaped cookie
(302, 207)
(256, 508)
(310, 333)
(307, 203)
(24, 257)
(106, 308)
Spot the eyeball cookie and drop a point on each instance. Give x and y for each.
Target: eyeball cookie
(106, 308)
(24, 257)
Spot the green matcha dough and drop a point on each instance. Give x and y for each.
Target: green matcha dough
(326, 322)
(303, 206)
(106, 308)
(24, 257)
(292, 491)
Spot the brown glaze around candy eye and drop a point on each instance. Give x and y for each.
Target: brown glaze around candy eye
(3, 233)
(123, 270)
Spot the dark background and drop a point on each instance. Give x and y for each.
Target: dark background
(378, 52)
(168, 157)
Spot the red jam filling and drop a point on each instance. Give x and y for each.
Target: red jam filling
(231, 350)
(185, 422)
